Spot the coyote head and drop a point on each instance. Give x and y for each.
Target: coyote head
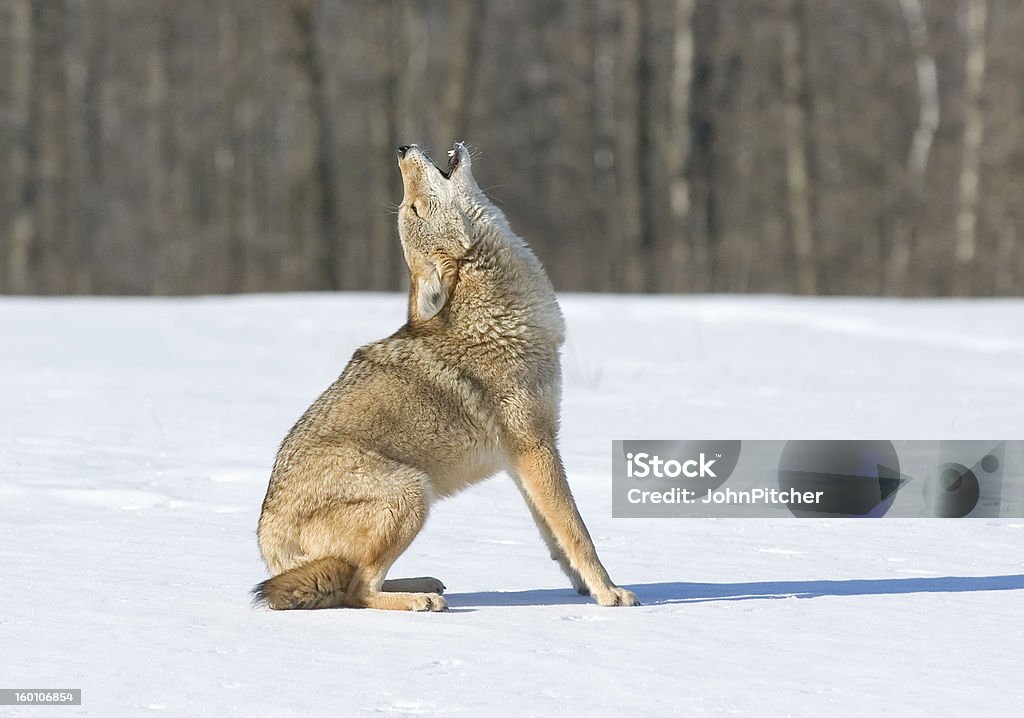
(433, 225)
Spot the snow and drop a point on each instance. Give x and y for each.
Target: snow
(136, 437)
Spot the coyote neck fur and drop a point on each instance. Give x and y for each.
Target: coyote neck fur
(503, 301)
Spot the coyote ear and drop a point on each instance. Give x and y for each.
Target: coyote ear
(431, 291)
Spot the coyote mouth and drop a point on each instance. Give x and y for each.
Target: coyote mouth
(453, 162)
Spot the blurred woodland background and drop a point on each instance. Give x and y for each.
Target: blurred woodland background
(806, 146)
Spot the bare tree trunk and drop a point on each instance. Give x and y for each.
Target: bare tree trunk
(94, 171)
(157, 90)
(605, 175)
(412, 80)
(571, 181)
(927, 89)
(629, 158)
(910, 194)
(22, 228)
(704, 222)
(228, 155)
(1004, 279)
(795, 128)
(464, 41)
(303, 16)
(383, 129)
(49, 257)
(678, 146)
(974, 81)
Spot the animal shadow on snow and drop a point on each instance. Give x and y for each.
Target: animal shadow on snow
(679, 592)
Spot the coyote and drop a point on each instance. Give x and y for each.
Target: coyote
(470, 385)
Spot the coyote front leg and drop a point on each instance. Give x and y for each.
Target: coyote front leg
(542, 478)
(557, 554)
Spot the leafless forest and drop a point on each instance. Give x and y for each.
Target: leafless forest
(806, 146)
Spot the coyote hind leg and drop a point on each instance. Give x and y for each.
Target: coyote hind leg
(370, 531)
(405, 601)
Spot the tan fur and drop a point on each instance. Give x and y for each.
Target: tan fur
(469, 386)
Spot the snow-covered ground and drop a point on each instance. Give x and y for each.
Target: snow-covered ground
(136, 438)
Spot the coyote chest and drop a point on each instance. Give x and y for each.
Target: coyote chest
(479, 461)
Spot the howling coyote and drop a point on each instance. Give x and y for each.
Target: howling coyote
(469, 386)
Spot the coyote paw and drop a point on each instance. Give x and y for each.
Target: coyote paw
(616, 596)
(428, 602)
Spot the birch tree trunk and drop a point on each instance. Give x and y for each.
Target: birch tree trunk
(795, 130)
(927, 89)
(974, 81)
(677, 146)
(21, 229)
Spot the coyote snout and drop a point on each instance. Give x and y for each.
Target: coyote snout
(469, 386)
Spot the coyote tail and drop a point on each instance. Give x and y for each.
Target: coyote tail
(321, 583)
